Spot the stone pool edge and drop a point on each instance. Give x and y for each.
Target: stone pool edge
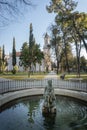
(5, 98)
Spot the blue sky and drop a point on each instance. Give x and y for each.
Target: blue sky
(41, 21)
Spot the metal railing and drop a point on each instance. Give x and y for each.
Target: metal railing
(15, 85)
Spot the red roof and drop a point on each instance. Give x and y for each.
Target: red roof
(18, 54)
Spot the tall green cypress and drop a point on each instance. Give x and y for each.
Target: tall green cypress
(3, 54)
(31, 44)
(13, 53)
(31, 38)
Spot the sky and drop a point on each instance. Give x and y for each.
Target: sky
(40, 19)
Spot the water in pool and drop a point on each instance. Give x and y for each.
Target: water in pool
(26, 114)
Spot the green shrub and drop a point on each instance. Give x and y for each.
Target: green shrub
(15, 69)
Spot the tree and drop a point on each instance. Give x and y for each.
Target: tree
(83, 64)
(79, 23)
(27, 60)
(10, 9)
(30, 52)
(56, 44)
(62, 8)
(63, 63)
(3, 54)
(3, 62)
(37, 54)
(31, 45)
(13, 53)
(24, 57)
(73, 25)
(77, 26)
(31, 38)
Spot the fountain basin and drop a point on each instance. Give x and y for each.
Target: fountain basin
(5, 98)
(26, 114)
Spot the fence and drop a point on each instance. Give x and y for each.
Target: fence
(14, 85)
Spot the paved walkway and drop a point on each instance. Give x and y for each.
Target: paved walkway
(51, 75)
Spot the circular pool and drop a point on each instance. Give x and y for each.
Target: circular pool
(26, 114)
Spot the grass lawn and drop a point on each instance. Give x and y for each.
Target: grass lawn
(83, 76)
(22, 75)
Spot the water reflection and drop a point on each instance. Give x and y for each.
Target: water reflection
(49, 122)
(26, 114)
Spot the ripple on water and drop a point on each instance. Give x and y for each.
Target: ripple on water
(26, 114)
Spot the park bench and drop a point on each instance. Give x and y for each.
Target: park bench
(62, 76)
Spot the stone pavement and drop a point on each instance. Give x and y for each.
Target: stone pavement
(51, 75)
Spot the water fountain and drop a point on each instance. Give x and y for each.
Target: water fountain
(44, 112)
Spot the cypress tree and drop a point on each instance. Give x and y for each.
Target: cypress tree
(31, 38)
(13, 53)
(31, 44)
(3, 54)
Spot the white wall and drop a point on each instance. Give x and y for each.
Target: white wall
(37, 68)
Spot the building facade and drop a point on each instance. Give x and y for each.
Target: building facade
(47, 53)
(45, 64)
(36, 68)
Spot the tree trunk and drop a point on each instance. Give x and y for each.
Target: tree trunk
(67, 64)
(78, 49)
(57, 66)
(29, 72)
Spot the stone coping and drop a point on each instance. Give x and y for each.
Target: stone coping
(5, 98)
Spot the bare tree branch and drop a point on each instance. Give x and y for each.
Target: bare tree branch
(10, 9)
(27, 2)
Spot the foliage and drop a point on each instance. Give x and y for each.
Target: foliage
(3, 61)
(3, 54)
(56, 44)
(63, 58)
(15, 69)
(71, 24)
(3, 66)
(24, 57)
(27, 58)
(0, 64)
(13, 53)
(31, 46)
(35, 54)
(83, 64)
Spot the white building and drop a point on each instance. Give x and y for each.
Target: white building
(37, 68)
(45, 64)
(47, 53)
(10, 66)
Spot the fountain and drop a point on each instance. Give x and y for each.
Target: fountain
(44, 112)
(49, 105)
(26, 114)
